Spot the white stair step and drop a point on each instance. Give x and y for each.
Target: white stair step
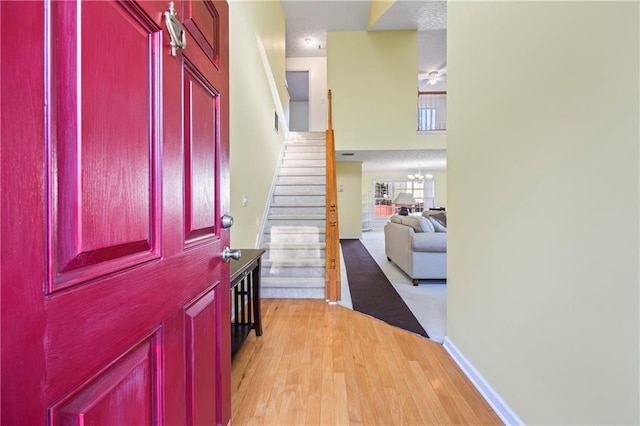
(293, 246)
(318, 224)
(282, 237)
(300, 190)
(305, 148)
(292, 282)
(321, 163)
(297, 213)
(304, 171)
(291, 229)
(283, 250)
(279, 218)
(299, 201)
(282, 214)
(292, 263)
(285, 238)
(302, 180)
(293, 238)
(300, 253)
(301, 206)
(305, 155)
(314, 214)
(300, 273)
(307, 136)
(293, 293)
(293, 272)
(306, 144)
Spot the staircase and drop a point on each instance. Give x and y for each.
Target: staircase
(293, 265)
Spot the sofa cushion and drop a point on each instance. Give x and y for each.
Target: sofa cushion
(418, 223)
(435, 243)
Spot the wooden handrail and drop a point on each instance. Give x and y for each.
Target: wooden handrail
(332, 235)
(330, 114)
(440, 92)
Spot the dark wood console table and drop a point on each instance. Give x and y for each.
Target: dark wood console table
(245, 297)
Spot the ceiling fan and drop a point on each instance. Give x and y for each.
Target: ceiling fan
(432, 77)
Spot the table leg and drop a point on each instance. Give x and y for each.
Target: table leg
(256, 298)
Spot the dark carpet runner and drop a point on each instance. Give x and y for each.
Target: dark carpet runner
(371, 291)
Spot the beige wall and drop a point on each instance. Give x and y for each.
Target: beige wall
(255, 27)
(373, 79)
(349, 177)
(440, 178)
(543, 205)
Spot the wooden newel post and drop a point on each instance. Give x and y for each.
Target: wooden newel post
(332, 232)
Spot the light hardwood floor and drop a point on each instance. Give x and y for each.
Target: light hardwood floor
(320, 364)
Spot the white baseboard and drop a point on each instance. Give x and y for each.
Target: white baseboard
(488, 393)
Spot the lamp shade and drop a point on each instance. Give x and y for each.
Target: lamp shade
(404, 198)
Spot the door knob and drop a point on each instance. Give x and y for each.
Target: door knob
(227, 221)
(228, 254)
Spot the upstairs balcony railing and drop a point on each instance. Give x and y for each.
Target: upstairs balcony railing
(432, 111)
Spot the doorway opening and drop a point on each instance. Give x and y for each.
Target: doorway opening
(298, 85)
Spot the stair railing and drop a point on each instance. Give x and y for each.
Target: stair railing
(432, 111)
(332, 244)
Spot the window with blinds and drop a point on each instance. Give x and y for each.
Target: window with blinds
(385, 191)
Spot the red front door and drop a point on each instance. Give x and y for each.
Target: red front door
(114, 165)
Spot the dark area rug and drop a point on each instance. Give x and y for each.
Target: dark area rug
(371, 291)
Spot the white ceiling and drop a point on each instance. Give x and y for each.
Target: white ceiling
(413, 15)
(308, 21)
(312, 19)
(307, 24)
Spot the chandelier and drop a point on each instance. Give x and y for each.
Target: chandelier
(419, 177)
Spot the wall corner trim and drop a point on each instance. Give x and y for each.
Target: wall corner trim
(488, 393)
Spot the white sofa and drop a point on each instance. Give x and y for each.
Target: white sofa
(417, 244)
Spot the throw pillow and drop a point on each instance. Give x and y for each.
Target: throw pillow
(418, 223)
(439, 227)
(440, 217)
(437, 215)
(427, 226)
